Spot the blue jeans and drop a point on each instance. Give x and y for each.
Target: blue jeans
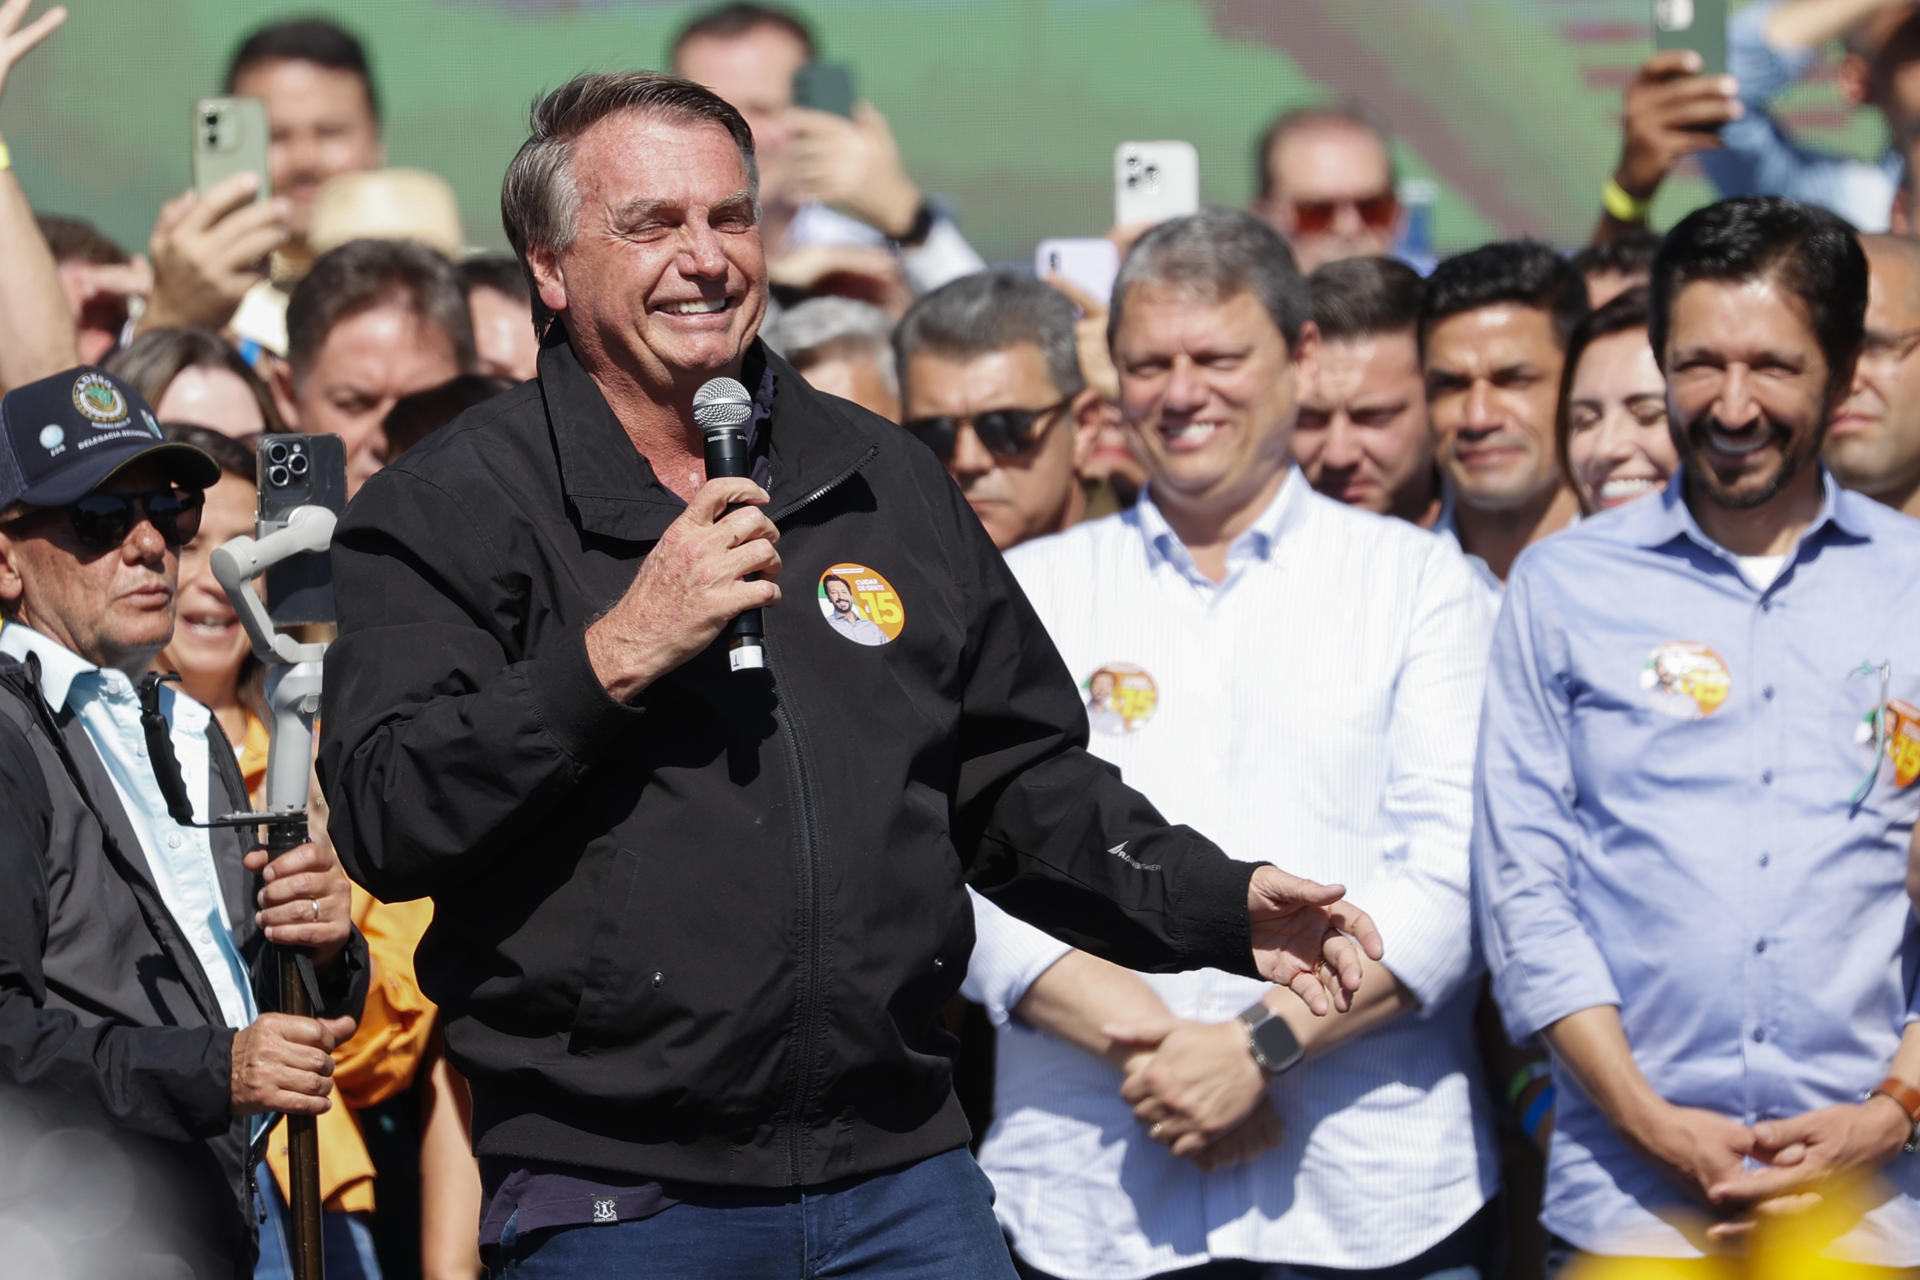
(929, 1221)
(345, 1241)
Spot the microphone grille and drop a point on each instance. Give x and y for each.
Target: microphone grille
(721, 403)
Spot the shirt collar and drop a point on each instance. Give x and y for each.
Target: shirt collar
(1660, 520)
(59, 665)
(1256, 542)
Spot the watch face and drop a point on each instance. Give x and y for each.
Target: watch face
(1275, 1046)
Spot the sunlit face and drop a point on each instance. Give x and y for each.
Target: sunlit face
(208, 642)
(856, 378)
(665, 281)
(1493, 383)
(1363, 437)
(1017, 498)
(211, 397)
(1874, 442)
(1209, 390)
(322, 126)
(1747, 390)
(114, 608)
(503, 335)
(753, 71)
(1330, 163)
(1618, 446)
(367, 361)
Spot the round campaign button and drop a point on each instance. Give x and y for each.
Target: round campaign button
(1121, 698)
(1688, 681)
(860, 604)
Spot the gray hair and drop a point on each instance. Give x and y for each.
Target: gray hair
(832, 328)
(980, 314)
(1212, 256)
(539, 199)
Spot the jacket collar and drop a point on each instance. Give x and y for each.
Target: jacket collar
(808, 439)
(59, 665)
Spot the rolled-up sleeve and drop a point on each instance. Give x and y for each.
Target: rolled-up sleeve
(1009, 956)
(1526, 833)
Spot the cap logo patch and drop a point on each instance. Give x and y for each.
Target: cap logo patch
(52, 438)
(98, 400)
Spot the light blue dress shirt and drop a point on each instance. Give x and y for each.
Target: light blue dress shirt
(180, 859)
(1683, 808)
(1757, 157)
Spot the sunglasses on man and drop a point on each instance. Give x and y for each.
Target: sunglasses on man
(1004, 433)
(1316, 217)
(102, 521)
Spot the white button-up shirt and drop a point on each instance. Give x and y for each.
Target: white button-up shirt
(180, 859)
(1318, 710)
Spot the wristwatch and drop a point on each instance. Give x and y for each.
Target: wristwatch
(1907, 1098)
(1271, 1040)
(920, 228)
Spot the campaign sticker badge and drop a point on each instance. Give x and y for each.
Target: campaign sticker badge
(861, 605)
(1121, 698)
(1688, 681)
(1902, 736)
(99, 401)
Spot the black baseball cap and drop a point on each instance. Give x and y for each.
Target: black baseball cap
(65, 436)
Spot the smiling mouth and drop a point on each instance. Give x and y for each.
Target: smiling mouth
(696, 307)
(1614, 492)
(1738, 444)
(212, 626)
(1190, 435)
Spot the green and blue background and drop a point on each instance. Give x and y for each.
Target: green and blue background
(1010, 109)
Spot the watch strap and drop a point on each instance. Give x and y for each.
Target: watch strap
(921, 227)
(1907, 1098)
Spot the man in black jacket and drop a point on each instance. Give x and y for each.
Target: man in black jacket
(693, 927)
(133, 956)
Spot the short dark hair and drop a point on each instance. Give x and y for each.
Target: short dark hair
(1215, 255)
(1630, 253)
(728, 20)
(151, 362)
(1359, 297)
(1810, 253)
(1297, 118)
(1622, 313)
(318, 40)
(77, 240)
(500, 272)
(362, 274)
(415, 417)
(990, 311)
(1523, 273)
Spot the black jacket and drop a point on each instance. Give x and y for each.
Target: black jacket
(106, 1017)
(708, 936)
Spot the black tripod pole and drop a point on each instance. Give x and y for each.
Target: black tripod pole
(303, 1137)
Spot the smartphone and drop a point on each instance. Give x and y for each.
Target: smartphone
(1699, 25)
(300, 471)
(1090, 264)
(1154, 181)
(825, 86)
(229, 136)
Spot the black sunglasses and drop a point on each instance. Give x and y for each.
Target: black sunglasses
(1005, 433)
(102, 521)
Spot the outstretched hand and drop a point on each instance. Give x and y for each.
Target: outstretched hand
(17, 41)
(1307, 939)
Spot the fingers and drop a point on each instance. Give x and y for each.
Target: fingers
(221, 199)
(172, 213)
(1144, 1035)
(1359, 926)
(19, 44)
(1668, 63)
(302, 859)
(746, 525)
(711, 500)
(1312, 992)
(1277, 888)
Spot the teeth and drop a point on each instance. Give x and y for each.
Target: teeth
(1737, 444)
(1626, 488)
(1192, 432)
(695, 308)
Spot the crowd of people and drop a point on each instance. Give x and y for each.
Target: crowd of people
(1298, 768)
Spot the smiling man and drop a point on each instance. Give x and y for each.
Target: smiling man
(694, 927)
(1493, 340)
(1874, 443)
(1696, 747)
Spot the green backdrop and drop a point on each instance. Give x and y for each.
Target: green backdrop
(1008, 108)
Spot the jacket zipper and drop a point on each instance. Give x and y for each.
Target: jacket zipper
(809, 996)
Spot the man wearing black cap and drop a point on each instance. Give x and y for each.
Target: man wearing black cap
(132, 948)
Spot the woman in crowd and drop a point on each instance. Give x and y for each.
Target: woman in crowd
(1613, 408)
(190, 375)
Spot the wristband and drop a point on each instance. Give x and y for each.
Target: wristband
(1530, 1122)
(1622, 207)
(1538, 1069)
(6, 158)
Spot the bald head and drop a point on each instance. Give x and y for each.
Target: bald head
(1874, 442)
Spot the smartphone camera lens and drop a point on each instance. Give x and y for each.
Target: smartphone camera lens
(278, 451)
(297, 464)
(278, 477)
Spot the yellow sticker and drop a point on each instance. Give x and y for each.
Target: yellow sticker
(1121, 698)
(1688, 681)
(1903, 741)
(861, 605)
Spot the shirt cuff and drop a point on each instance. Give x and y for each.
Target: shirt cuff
(574, 708)
(1534, 997)
(1211, 901)
(1429, 948)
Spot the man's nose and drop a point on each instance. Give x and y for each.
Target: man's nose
(1736, 406)
(143, 543)
(1186, 388)
(1481, 415)
(702, 258)
(970, 457)
(1342, 449)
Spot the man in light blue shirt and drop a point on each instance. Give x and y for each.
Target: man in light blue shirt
(1698, 776)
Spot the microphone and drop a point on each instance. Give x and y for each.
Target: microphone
(721, 409)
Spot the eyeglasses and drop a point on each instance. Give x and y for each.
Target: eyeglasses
(102, 521)
(1315, 217)
(1005, 433)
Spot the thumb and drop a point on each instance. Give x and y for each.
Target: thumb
(1147, 1032)
(1284, 889)
(868, 116)
(340, 1029)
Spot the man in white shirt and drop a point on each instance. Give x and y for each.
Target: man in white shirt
(1289, 670)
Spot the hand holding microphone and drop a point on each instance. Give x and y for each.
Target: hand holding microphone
(722, 409)
(716, 561)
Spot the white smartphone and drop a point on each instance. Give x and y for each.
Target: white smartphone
(1091, 264)
(1154, 181)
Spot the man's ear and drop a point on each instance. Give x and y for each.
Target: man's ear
(548, 278)
(1090, 416)
(280, 382)
(1305, 354)
(12, 582)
